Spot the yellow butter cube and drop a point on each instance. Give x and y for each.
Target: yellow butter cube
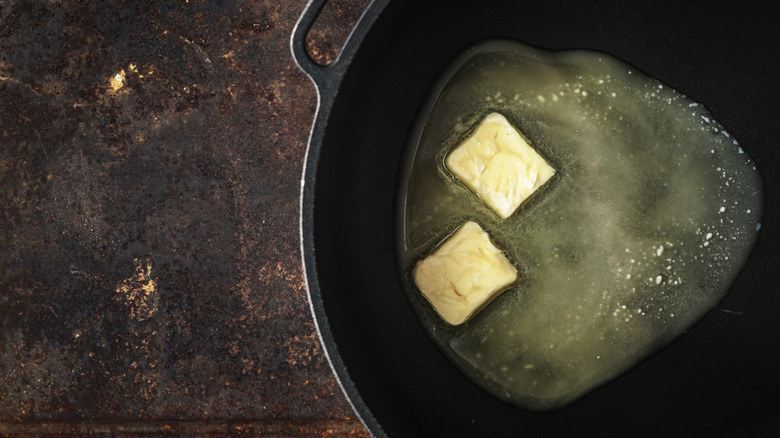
(463, 274)
(497, 164)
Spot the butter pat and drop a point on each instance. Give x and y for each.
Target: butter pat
(497, 164)
(463, 274)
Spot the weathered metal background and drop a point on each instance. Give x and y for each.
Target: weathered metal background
(150, 275)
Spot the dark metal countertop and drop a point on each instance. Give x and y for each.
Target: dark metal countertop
(150, 165)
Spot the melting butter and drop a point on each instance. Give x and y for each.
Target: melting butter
(465, 273)
(650, 215)
(499, 165)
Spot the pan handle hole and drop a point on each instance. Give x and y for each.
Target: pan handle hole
(331, 28)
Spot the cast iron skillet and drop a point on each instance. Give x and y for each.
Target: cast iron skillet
(720, 379)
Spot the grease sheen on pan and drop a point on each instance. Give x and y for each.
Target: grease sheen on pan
(651, 214)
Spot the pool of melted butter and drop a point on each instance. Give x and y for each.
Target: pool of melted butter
(652, 213)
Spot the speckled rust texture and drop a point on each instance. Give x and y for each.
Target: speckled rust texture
(150, 159)
(332, 27)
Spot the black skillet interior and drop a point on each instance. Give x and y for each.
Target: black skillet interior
(720, 379)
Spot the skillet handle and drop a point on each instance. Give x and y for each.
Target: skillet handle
(327, 78)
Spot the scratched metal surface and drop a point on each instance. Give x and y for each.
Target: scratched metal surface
(150, 275)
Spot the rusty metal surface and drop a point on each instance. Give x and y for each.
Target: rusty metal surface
(331, 28)
(150, 275)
